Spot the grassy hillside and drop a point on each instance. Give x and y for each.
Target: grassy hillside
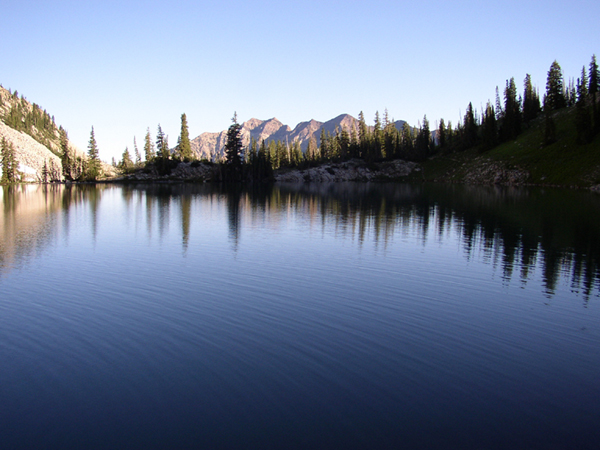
(524, 160)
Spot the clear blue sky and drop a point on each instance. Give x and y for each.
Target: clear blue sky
(123, 66)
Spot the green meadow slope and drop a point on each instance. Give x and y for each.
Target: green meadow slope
(525, 160)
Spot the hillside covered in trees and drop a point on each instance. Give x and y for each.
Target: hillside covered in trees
(520, 138)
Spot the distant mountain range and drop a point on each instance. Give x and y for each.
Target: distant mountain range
(211, 145)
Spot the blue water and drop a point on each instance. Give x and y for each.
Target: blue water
(346, 316)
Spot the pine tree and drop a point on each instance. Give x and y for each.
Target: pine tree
(442, 134)
(583, 120)
(126, 162)
(407, 141)
(324, 145)
(363, 136)
(470, 128)
(233, 151)
(66, 159)
(555, 91)
(511, 124)
(149, 150)
(162, 144)
(531, 101)
(93, 170)
(185, 148)
(593, 92)
(312, 150)
(423, 142)
(489, 128)
(138, 157)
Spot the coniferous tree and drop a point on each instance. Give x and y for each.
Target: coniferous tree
(148, 147)
(312, 152)
(531, 101)
(469, 138)
(233, 151)
(9, 165)
(511, 123)
(324, 145)
(162, 145)
(555, 91)
(363, 136)
(184, 147)
(423, 141)
(344, 144)
(138, 157)
(126, 162)
(407, 142)
(354, 148)
(583, 120)
(593, 90)
(442, 134)
(66, 159)
(570, 93)
(297, 156)
(489, 128)
(93, 169)
(499, 109)
(376, 147)
(391, 138)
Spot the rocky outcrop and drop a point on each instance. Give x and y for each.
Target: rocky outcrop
(196, 172)
(495, 173)
(353, 170)
(31, 156)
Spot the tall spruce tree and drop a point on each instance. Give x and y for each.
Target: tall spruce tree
(66, 159)
(149, 151)
(583, 120)
(184, 147)
(93, 169)
(9, 162)
(555, 90)
(593, 90)
(511, 124)
(162, 144)
(126, 161)
(233, 151)
(489, 128)
(469, 138)
(531, 101)
(138, 157)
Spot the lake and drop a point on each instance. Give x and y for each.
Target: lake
(313, 316)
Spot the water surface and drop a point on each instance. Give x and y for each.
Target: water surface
(318, 316)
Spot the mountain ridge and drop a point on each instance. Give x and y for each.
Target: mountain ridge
(211, 146)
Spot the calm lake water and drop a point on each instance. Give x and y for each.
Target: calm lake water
(319, 316)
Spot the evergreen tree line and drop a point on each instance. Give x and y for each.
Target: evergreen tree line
(508, 119)
(77, 168)
(499, 122)
(157, 153)
(9, 162)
